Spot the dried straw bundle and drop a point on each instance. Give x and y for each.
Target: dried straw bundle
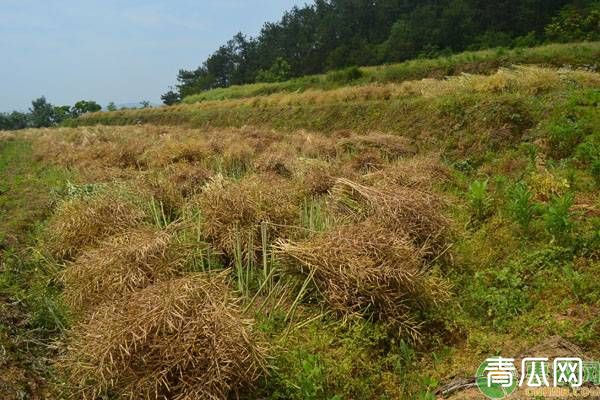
(420, 172)
(232, 212)
(83, 221)
(182, 339)
(364, 268)
(367, 161)
(94, 148)
(387, 146)
(188, 178)
(172, 186)
(400, 209)
(121, 264)
(315, 177)
(176, 149)
(278, 159)
(313, 145)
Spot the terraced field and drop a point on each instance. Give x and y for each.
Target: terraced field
(378, 240)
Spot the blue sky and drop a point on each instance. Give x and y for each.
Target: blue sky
(122, 51)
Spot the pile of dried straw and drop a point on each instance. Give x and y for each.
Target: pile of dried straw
(400, 209)
(421, 172)
(84, 221)
(121, 264)
(181, 339)
(232, 212)
(364, 268)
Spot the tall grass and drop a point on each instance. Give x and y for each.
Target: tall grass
(314, 215)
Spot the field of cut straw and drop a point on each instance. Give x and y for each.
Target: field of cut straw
(374, 241)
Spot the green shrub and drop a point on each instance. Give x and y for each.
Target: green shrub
(595, 170)
(530, 150)
(521, 206)
(587, 335)
(497, 295)
(557, 217)
(582, 283)
(574, 130)
(279, 72)
(346, 75)
(589, 150)
(588, 153)
(529, 40)
(575, 24)
(564, 136)
(479, 200)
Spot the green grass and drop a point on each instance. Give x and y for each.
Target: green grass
(328, 360)
(25, 190)
(484, 61)
(30, 312)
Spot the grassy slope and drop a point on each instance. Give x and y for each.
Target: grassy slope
(368, 105)
(460, 116)
(478, 62)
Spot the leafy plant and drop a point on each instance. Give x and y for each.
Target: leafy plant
(279, 72)
(575, 24)
(557, 217)
(595, 169)
(564, 137)
(310, 378)
(498, 295)
(530, 150)
(304, 380)
(479, 200)
(521, 206)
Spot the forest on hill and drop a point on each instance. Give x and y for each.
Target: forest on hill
(333, 34)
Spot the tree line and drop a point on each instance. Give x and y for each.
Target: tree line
(42, 114)
(334, 34)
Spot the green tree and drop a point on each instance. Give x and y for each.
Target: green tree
(574, 24)
(170, 98)
(111, 106)
(401, 45)
(279, 72)
(61, 113)
(13, 121)
(42, 113)
(83, 107)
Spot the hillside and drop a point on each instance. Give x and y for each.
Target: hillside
(339, 236)
(584, 54)
(318, 100)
